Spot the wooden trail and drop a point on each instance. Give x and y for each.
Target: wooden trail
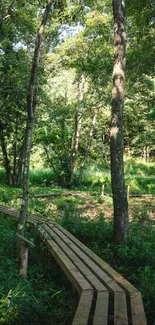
(105, 297)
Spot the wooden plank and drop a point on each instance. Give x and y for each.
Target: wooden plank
(95, 282)
(88, 261)
(127, 286)
(83, 310)
(146, 196)
(74, 275)
(120, 309)
(101, 308)
(9, 211)
(33, 219)
(137, 310)
(149, 196)
(25, 240)
(103, 265)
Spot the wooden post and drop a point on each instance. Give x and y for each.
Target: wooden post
(128, 191)
(24, 256)
(102, 190)
(23, 260)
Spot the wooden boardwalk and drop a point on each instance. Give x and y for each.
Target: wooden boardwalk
(105, 297)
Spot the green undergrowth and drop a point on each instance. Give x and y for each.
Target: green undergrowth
(138, 167)
(139, 175)
(135, 261)
(42, 177)
(44, 298)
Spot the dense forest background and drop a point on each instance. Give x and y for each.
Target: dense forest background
(75, 82)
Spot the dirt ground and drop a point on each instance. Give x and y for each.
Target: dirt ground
(140, 208)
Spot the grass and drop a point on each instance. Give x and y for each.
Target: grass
(44, 298)
(138, 174)
(138, 167)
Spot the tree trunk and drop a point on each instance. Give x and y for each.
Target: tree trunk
(146, 153)
(121, 223)
(5, 157)
(77, 128)
(31, 110)
(19, 165)
(87, 149)
(14, 176)
(75, 143)
(24, 260)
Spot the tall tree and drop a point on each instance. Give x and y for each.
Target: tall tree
(31, 111)
(18, 27)
(121, 228)
(77, 127)
(87, 147)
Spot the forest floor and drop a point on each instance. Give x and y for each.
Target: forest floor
(87, 215)
(89, 205)
(93, 208)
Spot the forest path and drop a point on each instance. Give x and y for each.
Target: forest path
(92, 205)
(142, 209)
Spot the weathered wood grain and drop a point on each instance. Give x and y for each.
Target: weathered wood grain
(103, 265)
(137, 309)
(101, 314)
(120, 309)
(72, 272)
(93, 280)
(83, 310)
(103, 277)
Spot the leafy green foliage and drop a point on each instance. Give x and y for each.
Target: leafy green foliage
(44, 297)
(42, 177)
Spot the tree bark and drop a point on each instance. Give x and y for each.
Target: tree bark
(14, 176)
(146, 153)
(77, 128)
(31, 110)
(5, 157)
(19, 165)
(121, 223)
(75, 143)
(87, 148)
(24, 260)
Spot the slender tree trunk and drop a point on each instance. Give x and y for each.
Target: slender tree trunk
(75, 143)
(50, 162)
(31, 110)
(5, 157)
(77, 128)
(15, 154)
(121, 223)
(87, 149)
(146, 153)
(19, 165)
